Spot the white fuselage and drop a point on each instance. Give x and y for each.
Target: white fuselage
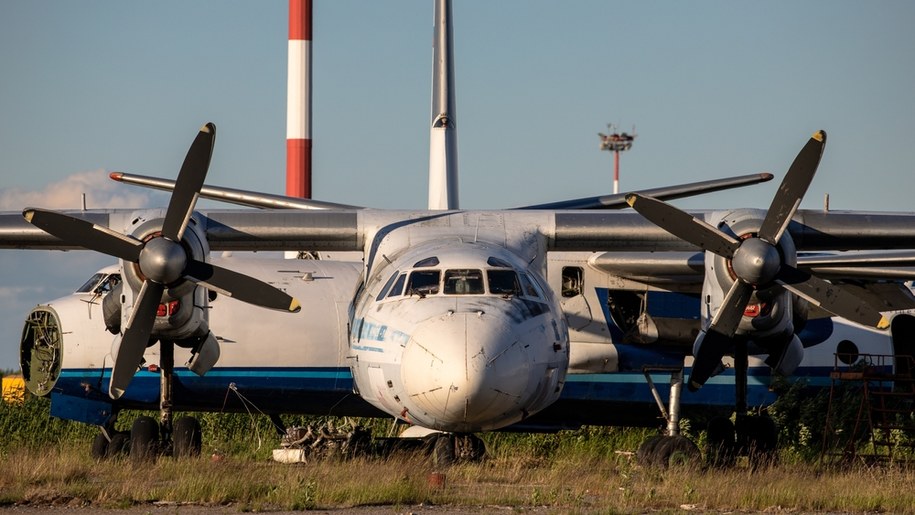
(459, 337)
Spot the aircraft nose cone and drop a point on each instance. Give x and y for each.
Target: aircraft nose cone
(465, 372)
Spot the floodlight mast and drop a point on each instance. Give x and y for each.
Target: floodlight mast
(616, 142)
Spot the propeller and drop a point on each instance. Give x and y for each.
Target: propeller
(162, 260)
(756, 261)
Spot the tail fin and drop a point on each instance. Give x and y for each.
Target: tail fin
(443, 168)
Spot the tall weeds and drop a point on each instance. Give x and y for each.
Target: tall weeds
(47, 461)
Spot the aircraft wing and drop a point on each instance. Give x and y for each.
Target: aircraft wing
(615, 201)
(232, 195)
(591, 231)
(618, 200)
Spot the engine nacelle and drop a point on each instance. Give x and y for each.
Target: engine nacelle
(183, 312)
(769, 319)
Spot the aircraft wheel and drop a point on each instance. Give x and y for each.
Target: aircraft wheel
(187, 438)
(469, 447)
(443, 451)
(358, 443)
(478, 448)
(646, 452)
(722, 442)
(144, 439)
(119, 445)
(99, 448)
(761, 436)
(676, 451)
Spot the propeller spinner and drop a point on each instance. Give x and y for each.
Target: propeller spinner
(162, 260)
(756, 261)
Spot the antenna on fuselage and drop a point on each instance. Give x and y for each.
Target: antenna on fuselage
(443, 167)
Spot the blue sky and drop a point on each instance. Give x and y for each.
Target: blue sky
(713, 88)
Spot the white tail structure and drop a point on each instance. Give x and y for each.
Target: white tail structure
(443, 167)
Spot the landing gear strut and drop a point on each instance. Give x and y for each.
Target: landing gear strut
(671, 448)
(148, 438)
(754, 436)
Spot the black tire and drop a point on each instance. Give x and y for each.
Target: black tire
(761, 436)
(187, 438)
(144, 439)
(646, 452)
(478, 448)
(722, 443)
(443, 451)
(99, 449)
(678, 451)
(119, 445)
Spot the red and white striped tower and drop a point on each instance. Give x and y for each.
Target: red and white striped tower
(298, 101)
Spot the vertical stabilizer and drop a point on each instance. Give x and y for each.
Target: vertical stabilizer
(443, 167)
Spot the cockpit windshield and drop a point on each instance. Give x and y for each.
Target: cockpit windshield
(100, 283)
(423, 280)
(503, 282)
(463, 282)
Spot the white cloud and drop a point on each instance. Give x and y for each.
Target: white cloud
(101, 192)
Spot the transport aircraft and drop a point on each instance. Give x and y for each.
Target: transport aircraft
(533, 318)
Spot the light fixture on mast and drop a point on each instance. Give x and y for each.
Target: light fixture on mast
(616, 142)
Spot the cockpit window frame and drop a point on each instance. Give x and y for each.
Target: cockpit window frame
(471, 286)
(387, 286)
(503, 292)
(427, 263)
(424, 289)
(397, 289)
(91, 283)
(100, 283)
(529, 287)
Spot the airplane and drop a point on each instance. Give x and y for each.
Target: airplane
(459, 321)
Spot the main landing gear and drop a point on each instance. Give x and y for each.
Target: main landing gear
(670, 448)
(148, 438)
(753, 436)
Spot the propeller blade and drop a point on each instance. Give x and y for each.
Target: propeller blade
(190, 181)
(830, 297)
(239, 286)
(731, 311)
(85, 234)
(793, 187)
(136, 338)
(684, 225)
(710, 346)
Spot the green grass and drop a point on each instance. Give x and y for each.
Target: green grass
(592, 470)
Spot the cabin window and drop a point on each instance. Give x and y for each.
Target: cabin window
(572, 281)
(387, 286)
(463, 282)
(423, 282)
(503, 282)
